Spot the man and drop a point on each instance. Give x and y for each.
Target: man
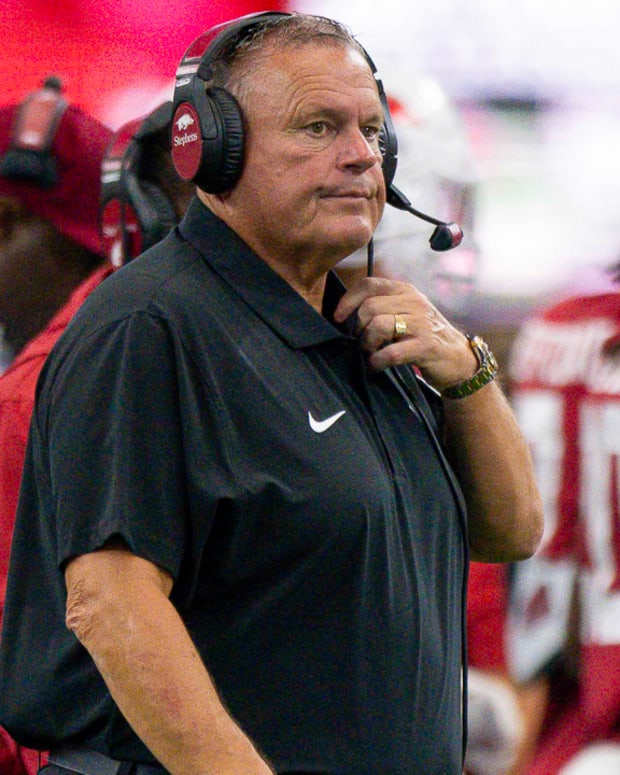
(50, 160)
(250, 527)
(564, 625)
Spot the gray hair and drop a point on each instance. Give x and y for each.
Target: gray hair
(232, 67)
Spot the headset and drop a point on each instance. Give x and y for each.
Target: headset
(29, 156)
(207, 135)
(135, 211)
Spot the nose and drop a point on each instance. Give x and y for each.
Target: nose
(356, 151)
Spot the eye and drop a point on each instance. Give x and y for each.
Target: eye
(318, 128)
(371, 132)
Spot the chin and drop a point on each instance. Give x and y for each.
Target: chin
(354, 244)
(355, 237)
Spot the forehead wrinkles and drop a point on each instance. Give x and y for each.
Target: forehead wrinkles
(289, 82)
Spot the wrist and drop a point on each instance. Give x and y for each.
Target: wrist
(486, 372)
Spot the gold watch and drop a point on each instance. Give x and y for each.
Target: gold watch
(487, 371)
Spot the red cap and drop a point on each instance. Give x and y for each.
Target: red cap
(77, 143)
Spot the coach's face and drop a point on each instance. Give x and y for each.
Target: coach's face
(312, 188)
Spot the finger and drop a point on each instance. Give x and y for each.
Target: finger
(365, 289)
(396, 353)
(382, 330)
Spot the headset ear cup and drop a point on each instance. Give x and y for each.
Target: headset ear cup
(29, 156)
(155, 212)
(233, 143)
(148, 214)
(389, 151)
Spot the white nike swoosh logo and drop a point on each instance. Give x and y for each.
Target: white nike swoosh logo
(320, 426)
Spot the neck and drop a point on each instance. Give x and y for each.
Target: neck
(305, 273)
(311, 291)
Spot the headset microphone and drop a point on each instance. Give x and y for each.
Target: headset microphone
(446, 235)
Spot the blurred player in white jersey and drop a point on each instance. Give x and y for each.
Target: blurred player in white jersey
(565, 609)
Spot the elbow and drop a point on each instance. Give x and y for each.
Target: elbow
(79, 614)
(536, 535)
(512, 539)
(525, 542)
(87, 612)
(530, 528)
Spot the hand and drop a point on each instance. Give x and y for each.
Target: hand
(435, 346)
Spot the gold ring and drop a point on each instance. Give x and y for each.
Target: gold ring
(400, 326)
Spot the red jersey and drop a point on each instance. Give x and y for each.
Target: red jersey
(565, 372)
(486, 616)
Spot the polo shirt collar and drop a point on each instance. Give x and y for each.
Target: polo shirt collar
(271, 297)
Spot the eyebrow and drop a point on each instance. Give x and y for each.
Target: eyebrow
(317, 111)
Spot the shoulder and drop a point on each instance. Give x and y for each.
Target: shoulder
(20, 377)
(558, 346)
(170, 263)
(166, 282)
(17, 391)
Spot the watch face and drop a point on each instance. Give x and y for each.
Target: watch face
(486, 373)
(483, 353)
(479, 348)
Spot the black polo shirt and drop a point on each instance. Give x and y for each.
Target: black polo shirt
(201, 409)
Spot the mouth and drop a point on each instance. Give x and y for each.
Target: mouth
(348, 194)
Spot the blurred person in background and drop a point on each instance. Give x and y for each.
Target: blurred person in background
(135, 191)
(50, 169)
(437, 171)
(564, 625)
(495, 720)
(50, 158)
(142, 195)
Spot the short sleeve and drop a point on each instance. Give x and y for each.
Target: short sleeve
(110, 413)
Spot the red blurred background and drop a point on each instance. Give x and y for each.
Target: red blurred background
(542, 111)
(116, 58)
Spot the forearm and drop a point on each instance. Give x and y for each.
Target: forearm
(484, 442)
(494, 466)
(157, 678)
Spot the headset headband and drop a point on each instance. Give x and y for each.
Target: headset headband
(207, 132)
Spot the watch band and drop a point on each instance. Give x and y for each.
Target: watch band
(486, 373)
